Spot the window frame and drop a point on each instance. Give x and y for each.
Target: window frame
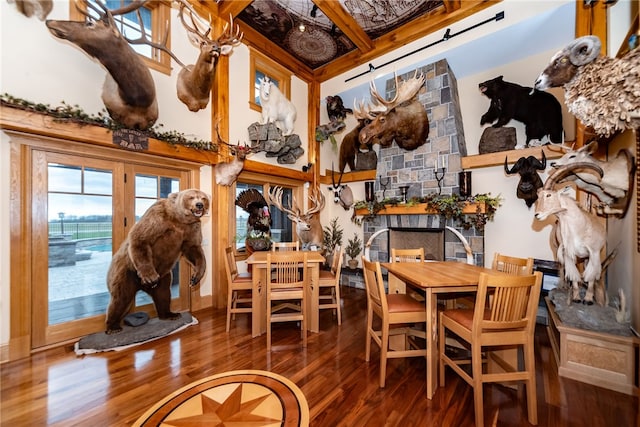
(160, 16)
(277, 73)
(267, 181)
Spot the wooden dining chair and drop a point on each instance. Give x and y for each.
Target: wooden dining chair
(330, 280)
(239, 286)
(407, 255)
(509, 321)
(285, 246)
(287, 287)
(397, 313)
(512, 265)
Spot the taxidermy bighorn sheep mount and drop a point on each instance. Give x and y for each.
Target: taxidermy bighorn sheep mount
(580, 235)
(601, 92)
(276, 107)
(194, 81)
(308, 226)
(614, 188)
(342, 194)
(403, 118)
(530, 181)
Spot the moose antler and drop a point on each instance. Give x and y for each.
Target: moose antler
(405, 91)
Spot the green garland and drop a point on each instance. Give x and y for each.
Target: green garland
(450, 206)
(75, 114)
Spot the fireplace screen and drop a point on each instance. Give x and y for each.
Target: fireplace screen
(431, 239)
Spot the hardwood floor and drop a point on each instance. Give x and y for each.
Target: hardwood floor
(55, 387)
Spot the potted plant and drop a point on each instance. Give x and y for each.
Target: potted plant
(353, 249)
(332, 237)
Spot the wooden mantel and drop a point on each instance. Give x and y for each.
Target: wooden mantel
(420, 209)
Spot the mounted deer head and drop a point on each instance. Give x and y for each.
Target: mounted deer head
(342, 194)
(402, 118)
(308, 226)
(226, 173)
(194, 81)
(128, 93)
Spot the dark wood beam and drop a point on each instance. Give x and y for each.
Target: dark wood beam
(345, 22)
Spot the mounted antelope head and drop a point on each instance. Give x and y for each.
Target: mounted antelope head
(308, 226)
(342, 194)
(227, 172)
(194, 81)
(402, 118)
(128, 93)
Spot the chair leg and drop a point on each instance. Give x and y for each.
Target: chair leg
(338, 311)
(229, 306)
(384, 346)
(367, 352)
(268, 325)
(304, 323)
(530, 383)
(476, 361)
(441, 349)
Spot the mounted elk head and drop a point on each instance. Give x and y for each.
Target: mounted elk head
(308, 226)
(530, 181)
(342, 194)
(128, 93)
(614, 189)
(40, 8)
(402, 118)
(194, 81)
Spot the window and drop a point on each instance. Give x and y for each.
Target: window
(261, 66)
(155, 23)
(282, 228)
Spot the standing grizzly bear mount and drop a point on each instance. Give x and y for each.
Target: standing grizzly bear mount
(540, 112)
(168, 229)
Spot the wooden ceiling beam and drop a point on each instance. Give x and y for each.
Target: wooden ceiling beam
(234, 7)
(345, 22)
(421, 27)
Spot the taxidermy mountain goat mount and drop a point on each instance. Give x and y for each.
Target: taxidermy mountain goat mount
(402, 119)
(540, 112)
(308, 226)
(129, 92)
(276, 107)
(530, 181)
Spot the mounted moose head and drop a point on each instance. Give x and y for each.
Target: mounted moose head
(128, 93)
(342, 194)
(308, 226)
(530, 181)
(402, 118)
(194, 81)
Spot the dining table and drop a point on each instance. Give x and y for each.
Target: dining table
(258, 261)
(434, 278)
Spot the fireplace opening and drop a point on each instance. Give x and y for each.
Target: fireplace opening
(431, 239)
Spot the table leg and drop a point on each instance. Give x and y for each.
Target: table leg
(258, 302)
(313, 297)
(431, 305)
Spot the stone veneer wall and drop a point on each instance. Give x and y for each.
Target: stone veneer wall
(416, 168)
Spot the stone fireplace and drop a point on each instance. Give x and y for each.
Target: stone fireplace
(416, 169)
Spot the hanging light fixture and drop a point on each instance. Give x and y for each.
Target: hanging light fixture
(302, 27)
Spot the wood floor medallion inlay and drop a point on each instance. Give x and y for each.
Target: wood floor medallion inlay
(257, 398)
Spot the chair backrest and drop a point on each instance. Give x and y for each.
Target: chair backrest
(512, 265)
(285, 269)
(407, 255)
(513, 305)
(230, 265)
(285, 246)
(376, 296)
(336, 264)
